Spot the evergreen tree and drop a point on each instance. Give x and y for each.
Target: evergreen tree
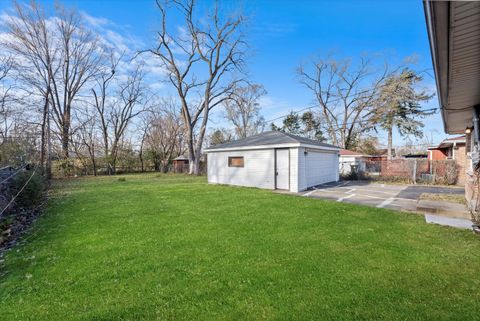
(398, 106)
(306, 125)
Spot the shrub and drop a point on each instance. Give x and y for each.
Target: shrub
(31, 195)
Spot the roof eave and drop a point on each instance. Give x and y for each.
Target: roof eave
(289, 145)
(438, 10)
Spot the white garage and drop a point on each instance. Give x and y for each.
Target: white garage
(273, 160)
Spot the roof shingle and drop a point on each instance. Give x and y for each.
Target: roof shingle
(270, 138)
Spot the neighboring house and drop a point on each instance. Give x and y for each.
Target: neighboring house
(349, 159)
(454, 34)
(450, 148)
(381, 154)
(273, 160)
(454, 149)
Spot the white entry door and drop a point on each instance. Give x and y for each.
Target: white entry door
(282, 168)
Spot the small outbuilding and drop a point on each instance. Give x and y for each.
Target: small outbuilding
(273, 160)
(180, 164)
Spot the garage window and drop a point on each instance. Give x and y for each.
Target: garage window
(235, 161)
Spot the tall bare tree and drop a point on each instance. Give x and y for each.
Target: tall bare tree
(101, 93)
(243, 110)
(78, 62)
(56, 56)
(199, 58)
(117, 106)
(29, 40)
(345, 93)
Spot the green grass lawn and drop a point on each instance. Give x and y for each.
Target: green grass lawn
(162, 247)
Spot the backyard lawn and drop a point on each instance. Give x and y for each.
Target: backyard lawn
(164, 247)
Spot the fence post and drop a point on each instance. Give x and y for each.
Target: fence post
(415, 171)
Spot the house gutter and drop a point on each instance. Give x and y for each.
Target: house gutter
(432, 36)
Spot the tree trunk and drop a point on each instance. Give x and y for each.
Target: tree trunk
(44, 139)
(49, 147)
(94, 163)
(45, 158)
(140, 155)
(196, 166)
(191, 153)
(65, 145)
(389, 146)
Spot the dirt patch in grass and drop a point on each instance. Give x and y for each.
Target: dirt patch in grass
(459, 199)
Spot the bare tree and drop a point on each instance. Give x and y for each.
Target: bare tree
(345, 93)
(85, 140)
(198, 59)
(78, 62)
(57, 57)
(7, 112)
(117, 106)
(29, 41)
(165, 136)
(243, 110)
(101, 92)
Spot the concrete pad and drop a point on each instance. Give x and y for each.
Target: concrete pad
(448, 221)
(396, 197)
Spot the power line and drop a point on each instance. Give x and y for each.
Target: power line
(335, 100)
(347, 123)
(16, 172)
(19, 192)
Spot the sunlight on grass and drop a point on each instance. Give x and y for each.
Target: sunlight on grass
(171, 247)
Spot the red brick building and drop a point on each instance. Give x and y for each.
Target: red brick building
(451, 148)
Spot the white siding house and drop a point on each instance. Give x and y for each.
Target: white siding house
(273, 160)
(348, 159)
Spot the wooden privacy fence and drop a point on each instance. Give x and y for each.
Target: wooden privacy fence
(414, 170)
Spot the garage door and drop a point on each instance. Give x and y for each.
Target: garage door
(321, 167)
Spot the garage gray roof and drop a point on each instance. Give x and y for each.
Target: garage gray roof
(270, 138)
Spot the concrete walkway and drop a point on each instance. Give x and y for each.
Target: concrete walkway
(448, 221)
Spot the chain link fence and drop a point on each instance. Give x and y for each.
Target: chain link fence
(442, 172)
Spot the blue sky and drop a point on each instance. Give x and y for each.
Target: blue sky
(282, 34)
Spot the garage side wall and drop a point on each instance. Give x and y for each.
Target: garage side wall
(258, 169)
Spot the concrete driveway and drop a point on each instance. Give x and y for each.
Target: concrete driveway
(397, 197)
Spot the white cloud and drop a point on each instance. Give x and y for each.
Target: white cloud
(273, 108)
(95, 21)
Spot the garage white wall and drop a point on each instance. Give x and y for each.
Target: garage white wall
(258, 170)
(302, 170)
(317, 167)
(314, 168)
(294, 169)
